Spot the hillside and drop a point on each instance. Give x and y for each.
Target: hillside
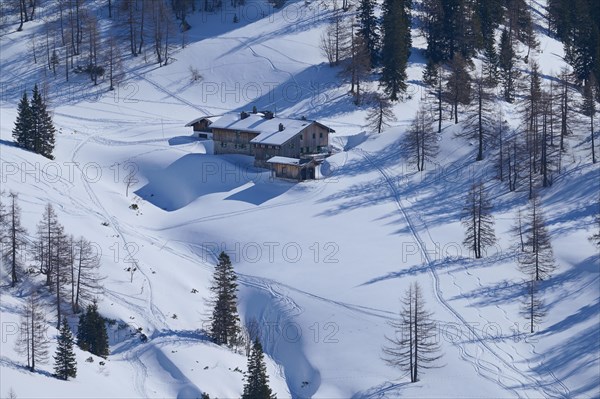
(321, 264)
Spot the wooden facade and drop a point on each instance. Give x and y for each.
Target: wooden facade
(201, 127)
(294, 171)
(233, 141)
(264, 137)
(313, 139)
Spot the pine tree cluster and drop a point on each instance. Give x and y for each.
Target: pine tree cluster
(34, 129)
(91, 332)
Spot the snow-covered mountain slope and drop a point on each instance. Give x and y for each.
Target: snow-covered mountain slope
(321, 264)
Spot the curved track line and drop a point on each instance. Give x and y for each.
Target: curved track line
(545, 390)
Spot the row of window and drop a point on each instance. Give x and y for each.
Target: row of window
(271, 147)
(224, 145)
(314, 135)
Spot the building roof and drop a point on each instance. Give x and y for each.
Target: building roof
(287, 161)
(211, 119)
(267, 129)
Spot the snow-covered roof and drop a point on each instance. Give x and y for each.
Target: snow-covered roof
(286, 161)
(209, 118)
(267, 129)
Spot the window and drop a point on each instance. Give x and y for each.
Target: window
(284, 170)
(292, 146)
(321, 135)
(314, 135)
(300, 137)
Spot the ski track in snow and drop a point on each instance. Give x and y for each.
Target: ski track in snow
(170, 93)
(480, 365)
(154, 314)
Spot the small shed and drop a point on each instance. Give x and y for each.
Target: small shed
(292, 168)
(201, 126)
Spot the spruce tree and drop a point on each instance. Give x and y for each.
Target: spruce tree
(65, 364)
(490, 65)
(224, 328)
(451, 27)
(257, 380)
(22, 130)
(368, 28)
(588, 108)
(42, 128)
(508, 70)
(396, 47)
(91, 332)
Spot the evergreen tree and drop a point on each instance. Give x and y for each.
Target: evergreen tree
(65, 364)
(478, 221)
(582, 44)
(257, 380)
(489, 15)
(451, 27)
(396, 46)
(23, 124)
(368, 28)
(490, 65)
(224, 328)
(413, 347)
(430, 73)
(91, 332)
(42, 128)
(508, 70)
(588, 108)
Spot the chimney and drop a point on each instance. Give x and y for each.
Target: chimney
(254, 110)
(281, 127)
(268, 114)
(244, 115)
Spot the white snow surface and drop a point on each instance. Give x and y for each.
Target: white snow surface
(321, 264)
